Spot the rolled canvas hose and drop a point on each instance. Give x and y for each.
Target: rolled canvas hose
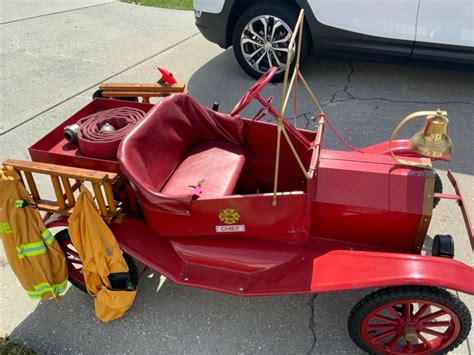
(104, 145)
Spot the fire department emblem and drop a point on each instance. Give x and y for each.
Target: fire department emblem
(229, 216)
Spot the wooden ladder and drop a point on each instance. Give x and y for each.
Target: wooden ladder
(66, 181)
(143, 90)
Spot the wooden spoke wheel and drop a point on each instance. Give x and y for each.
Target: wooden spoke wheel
(409, 320)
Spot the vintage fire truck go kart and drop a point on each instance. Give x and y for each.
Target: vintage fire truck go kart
(251, 208)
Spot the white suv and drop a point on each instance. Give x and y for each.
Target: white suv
(395, 31)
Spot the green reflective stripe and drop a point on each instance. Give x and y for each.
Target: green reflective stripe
(47, 236)
(5, 228)
(45, 287)
(60, 288)
(31, 249)
(37, 248)
(19, 203)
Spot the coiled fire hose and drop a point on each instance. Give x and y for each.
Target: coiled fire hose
(100, 134)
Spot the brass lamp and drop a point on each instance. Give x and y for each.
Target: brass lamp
(431, 141)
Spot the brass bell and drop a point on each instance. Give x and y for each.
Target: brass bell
(433, 140)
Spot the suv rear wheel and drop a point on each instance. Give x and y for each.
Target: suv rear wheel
(261, 38)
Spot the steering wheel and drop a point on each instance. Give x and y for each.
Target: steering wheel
(254, 91)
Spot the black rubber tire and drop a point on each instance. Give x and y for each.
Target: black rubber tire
(63, 237)
(390, 294)
(438, 189)
(282, 10)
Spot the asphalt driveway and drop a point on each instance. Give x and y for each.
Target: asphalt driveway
(54, 53)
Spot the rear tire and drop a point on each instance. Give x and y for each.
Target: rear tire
(279, 17)
(74, 264)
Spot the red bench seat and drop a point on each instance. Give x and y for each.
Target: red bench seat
(217, 164)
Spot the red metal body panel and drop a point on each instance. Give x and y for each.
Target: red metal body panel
(259, 169)
(258, 219)
(364, 198)
(250, 267)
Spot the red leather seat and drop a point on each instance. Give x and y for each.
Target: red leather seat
(216, 164)
(178, 144)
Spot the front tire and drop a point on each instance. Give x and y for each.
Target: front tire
(409, 320)
(261, 38)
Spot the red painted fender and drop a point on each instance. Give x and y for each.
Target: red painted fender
(346, 270)
(400, 147)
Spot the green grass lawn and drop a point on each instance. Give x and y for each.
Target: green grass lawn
(169, 4)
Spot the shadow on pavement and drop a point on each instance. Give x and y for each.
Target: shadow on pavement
(184, 320)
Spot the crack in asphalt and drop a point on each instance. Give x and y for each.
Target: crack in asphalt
(311, 323)
(345, 88)
(351, 97)
(308, 116)
(398, 101)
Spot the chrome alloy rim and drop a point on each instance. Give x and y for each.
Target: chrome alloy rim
(264, 43)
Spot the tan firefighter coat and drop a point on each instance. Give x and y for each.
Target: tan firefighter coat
(101, 257)
(32, 252)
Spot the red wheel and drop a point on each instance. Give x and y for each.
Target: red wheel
(409, 320)
(254, 91)
(74, 263)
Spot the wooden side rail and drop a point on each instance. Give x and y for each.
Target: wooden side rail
(143, 90)
(66, 181)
